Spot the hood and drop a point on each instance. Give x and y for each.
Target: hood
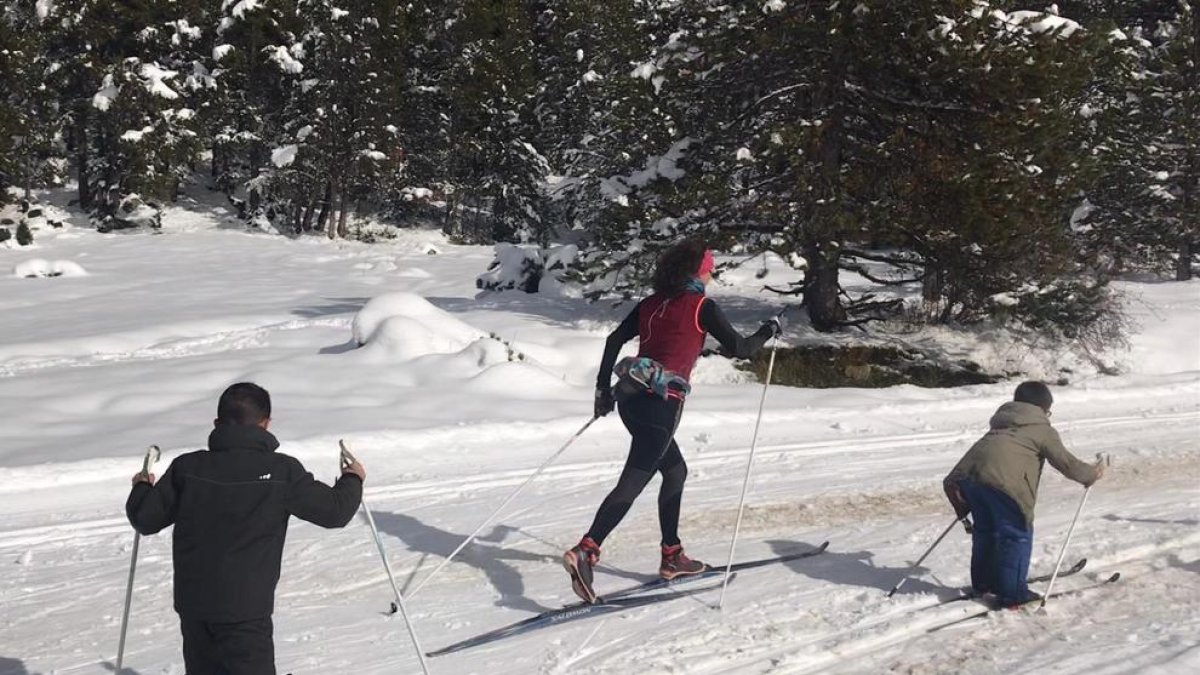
(1018, 414)
(241, 437)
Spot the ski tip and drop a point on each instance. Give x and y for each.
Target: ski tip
(394, 608)
(1115, 576)
(823, 546)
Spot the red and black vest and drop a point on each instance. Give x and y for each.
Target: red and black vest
(669, 331)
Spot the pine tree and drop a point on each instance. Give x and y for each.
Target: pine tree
(30, 119)
(1141, 212)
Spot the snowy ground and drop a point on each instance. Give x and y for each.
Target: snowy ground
(93, 368)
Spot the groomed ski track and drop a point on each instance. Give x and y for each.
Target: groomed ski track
(823, 614)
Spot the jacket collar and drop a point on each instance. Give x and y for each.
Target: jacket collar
(241, 437)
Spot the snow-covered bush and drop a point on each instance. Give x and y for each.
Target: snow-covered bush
(407, 325)
(530, 268)
(132, 212)
(19, 221)
(37, 267)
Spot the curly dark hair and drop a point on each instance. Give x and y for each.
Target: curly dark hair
(677, 265)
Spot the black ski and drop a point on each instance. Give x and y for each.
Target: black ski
(1116, 576)
(626, 598)
(1073, 569)
(709, 573)
(571, 613)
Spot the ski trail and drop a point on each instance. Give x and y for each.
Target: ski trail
(153, 349)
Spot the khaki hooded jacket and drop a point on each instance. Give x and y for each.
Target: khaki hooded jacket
(1010, 456)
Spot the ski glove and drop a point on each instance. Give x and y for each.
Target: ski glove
(604, 401)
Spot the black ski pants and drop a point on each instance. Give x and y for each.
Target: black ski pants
(651, 422)
(242, 648)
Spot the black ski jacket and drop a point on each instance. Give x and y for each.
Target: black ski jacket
(230, 507)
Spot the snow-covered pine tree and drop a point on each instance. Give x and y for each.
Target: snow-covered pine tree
(1141, 214)
(337, 142)
(133, 131)
(478, 72)
(992, 169)
(30, 120)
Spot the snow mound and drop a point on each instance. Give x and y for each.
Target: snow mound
(37, 268)
(405, 326)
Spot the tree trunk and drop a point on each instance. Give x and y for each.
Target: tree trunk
(825, 309)
(1191, 224)
(343, 216)
(81, 149)
(326, 205)
(307, 221)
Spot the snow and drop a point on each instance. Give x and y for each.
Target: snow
(136, 135)
(774, 6)
(155, 80)
(220, 51)
(284, 156)
(38, 267)
(664, 166)
(451, 334)
(744, 154)
(281, 56)
(44, 8)
(1036, 22)
(104, 98)
(242, 7)
(456, 396)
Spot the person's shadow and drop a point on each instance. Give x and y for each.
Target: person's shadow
(483, 554)
(107, 665)
(12, 666)
(856, 568)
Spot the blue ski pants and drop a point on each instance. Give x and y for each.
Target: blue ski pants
(1001, 543)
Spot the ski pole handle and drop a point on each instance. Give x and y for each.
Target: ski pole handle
(347, 457)
(153, 453)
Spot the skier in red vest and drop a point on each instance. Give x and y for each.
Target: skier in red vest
(671, 326)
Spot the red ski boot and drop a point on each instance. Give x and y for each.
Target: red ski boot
(675, 563)
(578, 562)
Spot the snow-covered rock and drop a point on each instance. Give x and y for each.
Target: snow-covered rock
(38, 267)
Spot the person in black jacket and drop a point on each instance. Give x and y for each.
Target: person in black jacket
(230, 507)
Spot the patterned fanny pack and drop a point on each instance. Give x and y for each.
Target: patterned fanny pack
(644, 375)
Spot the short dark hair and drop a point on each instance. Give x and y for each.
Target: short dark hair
(244, 403)
(677, 265)
(1034, 392)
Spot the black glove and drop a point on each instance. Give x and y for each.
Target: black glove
(775, 324)
(604, 401)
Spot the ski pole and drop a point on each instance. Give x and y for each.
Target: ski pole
(762, 401)
(1070, 530)
(152, 455)
(348, 458)
(909, 571)
(487, 521)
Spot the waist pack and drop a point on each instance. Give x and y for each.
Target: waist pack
(644, 375)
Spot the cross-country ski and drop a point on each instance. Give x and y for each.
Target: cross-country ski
(633, 596)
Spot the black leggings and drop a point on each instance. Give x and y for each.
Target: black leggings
(651, 422)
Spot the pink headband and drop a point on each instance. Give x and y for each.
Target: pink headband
(706, 264)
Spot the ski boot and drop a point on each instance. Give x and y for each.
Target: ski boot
(578, 562)
(675, 563)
